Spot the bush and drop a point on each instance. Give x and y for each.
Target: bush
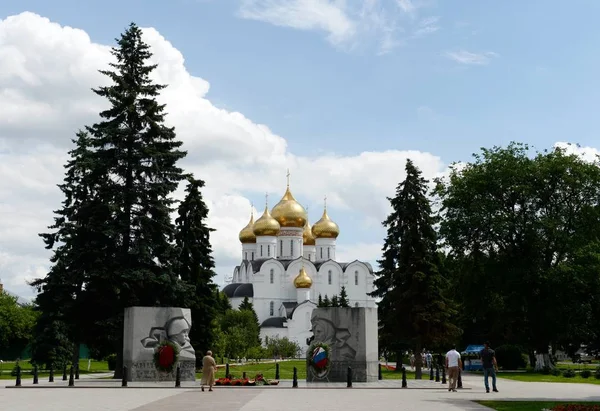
(586, 374)
(569, 373)
(510, 357)
(597, 373)
(555, 371)
(112, 362)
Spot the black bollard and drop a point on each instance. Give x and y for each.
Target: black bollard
(277, 371)
(349, 378)
(51, 376)
(77, 371)
(244, 375)
(35, 374)
(18, 382)
(380, 374)
(404, 383)
(178, 377)
(227, 370)
(65, 373)
(444, 375)
(124, 377)
(71, 377)
(459, 382)
(437, 374)
(431, 373)
(295, 380)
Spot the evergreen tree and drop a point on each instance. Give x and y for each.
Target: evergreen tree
(326, 302)
(320, 302)
(196, 264)
(246, 304)
(80, 243)
(335, 301)
(413, 308)
(139, 155)
(343, 300)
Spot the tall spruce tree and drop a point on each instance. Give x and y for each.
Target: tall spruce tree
(343, 298)
(139, 154)
(414, 310)
(196, 265)
(80, 243)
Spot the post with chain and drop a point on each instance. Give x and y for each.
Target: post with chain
(65, 372)
(349, 378)
(18, 382)
(51, 375)
(459, 383)
(431, 373)
(437, 373)
(380, 373)
(77, 370)
(444, 375)
(277, 371)
(404, 382)
(71, 377)
(178, 377)
(124, 377)
(227, 370)
(295, 380)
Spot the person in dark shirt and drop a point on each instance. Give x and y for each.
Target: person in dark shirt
(490, 366)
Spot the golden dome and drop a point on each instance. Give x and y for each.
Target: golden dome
(288, 212)
(247, 234)
(266, 225)
(307, 236)
(325, 227)
(302, 280)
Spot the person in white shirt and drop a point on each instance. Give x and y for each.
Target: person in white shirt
(453, 365)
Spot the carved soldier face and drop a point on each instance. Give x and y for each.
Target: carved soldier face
(178, 332)
(323, 330)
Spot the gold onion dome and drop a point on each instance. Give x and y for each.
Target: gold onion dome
(325, 227)
(302, 280)
(266, 225)
(247, 235)
(307, 236)
(288, 212)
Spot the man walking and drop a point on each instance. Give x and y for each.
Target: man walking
(490, 366)
(453, 363)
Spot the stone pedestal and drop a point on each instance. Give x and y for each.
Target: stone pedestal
(145, 329)
(351, 335)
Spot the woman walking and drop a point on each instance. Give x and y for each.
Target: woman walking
(209, 366)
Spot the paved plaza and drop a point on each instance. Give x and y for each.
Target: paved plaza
(106, 395)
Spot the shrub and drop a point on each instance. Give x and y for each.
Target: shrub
(569, 373)
(112, 361)
(510, 357)
(586, 374)
(597, 373)
(555, 371)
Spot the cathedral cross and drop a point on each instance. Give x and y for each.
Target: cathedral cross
(288, 177)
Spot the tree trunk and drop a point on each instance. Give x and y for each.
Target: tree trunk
(418, 361)
(531, 358)
(399, 364)
(542, 358)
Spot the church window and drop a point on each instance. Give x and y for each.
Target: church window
(321, 252)
(246, 255)
(292, 248)
(329, 277)
(272, 308)
(356, 278)
(309, 257)
(252, 255)
(280, 247)
(272, 275)
(261, 250)
(328, 253)
(356, 304)
(268, 251)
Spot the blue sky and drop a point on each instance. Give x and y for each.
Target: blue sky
(344, 77)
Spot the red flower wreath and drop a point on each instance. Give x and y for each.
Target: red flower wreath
(166, 356)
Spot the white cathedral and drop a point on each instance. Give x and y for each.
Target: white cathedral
(286, 265)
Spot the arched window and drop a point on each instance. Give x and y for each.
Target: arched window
(321, 252)
(292, 248)
(356, 277)
(246, 255)
(272, 276)
(329, 277)
(272, 308)
(268, 251)
(328, 253)
(356, 304)
(280, 247)
(252, 255)
(309, 257)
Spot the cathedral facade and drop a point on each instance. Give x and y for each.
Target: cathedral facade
(287, 264)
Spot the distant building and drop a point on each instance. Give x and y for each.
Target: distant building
(286, 264)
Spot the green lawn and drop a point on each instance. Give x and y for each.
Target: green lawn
(27, 369)
(537, 377)
(526, 405)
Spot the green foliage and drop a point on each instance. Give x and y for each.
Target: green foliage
(326, 302)
(111, 360)
(196, 265)
(335, 301)
(586, 374)
(282, 347)
(519, 228)
(510, 357)
(569, 373)
(414, 309)
(320, 302)
(597, 373)
(16, 322)
(343, 299)
(241, 332)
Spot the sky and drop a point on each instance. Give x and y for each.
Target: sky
(340, 92)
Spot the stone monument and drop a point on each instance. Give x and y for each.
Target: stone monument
(342, 338)
(148, 330)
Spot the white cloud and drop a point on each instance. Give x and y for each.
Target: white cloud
(467, 57)
(589, 154)
(45, 97)
(348, 24)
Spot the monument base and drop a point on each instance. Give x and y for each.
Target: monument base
(146, 371)
(362, 371)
